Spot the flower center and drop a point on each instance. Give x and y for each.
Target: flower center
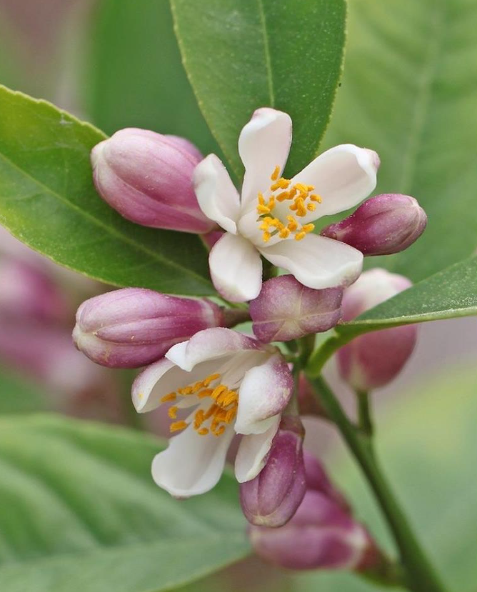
(301, 201)
(214, 419)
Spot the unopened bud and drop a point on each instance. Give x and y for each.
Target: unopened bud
(285, 309)
(321, 535)
(133, 327)
(382, 225)
(273, 496)
(374, 359)
(29, 292)
(318, 480)
(147, 178)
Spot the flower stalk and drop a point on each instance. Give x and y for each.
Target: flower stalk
(419, 573)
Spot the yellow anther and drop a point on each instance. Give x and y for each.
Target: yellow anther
(315, 197)
(219, 431)
(211, 411)
(165, 398)
(293, 206)
(292, 223)
(205, 393)
(263, 209)
(210, 379)
(230, 415)
(275, 173)
(292, 193)
(283, 196)
(261, 199)
(266, 236)
(310, 187)
(203, 432)
(311, 207)
(271, 203)
(178, 425)
(199, 419)
(185, 391)
(172, 413)
(280, 184)
(218, 390)
(301, 187)
(308, 228)
(284, 233)
(300, 235)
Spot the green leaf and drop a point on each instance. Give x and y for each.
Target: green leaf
(447, 294)
(409, 92)
(427, 443)
(48, 201)
(245, 54)
(79, 512)
(133, 75)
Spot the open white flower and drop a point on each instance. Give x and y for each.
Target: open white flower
(273, 217)
(225, 383)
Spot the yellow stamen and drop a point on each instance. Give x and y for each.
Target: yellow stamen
(266, 236)
(165, 398)
(210, 379)
(300, 236)
(203, 432)
(275, 173)
(284, 233)
(315, 197)
(283, 196)
(292, 223)
(311, 207)
(263, 209)
(301, 187)
(308, 228)
(219, 431)
(178, 425)
(172, 413)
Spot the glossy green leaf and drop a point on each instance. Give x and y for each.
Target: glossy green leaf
(427, 444)
(48, 201)
(133, 75)
(79, 512)
(447, 294)
(245, 54)
(409, 92)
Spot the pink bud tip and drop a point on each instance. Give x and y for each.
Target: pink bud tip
(382, 225)
(285, 309)
(133, 327)
(272, 498)
(373, 360)
(147, 178)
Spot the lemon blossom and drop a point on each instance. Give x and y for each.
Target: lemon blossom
(274, 216)
(218, 383)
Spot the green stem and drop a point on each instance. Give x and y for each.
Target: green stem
(420, 575)
(365, 422)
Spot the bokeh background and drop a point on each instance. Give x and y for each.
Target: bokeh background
(115, 63)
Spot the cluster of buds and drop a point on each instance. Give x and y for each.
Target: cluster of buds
(321, 534)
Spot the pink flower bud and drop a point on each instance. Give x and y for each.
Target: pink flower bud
(318, 480)
(374, 359)
(133, 327)
(29, 292)
(273, 496)
(285, 309)
(147, 178)
(382, 225)
(321, 535)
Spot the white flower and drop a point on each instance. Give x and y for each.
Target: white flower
(230, 384)
(273, 217)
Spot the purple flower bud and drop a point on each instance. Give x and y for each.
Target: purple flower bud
(382, 225)
(321, 535)
(133, 327)
(273, 496)
(147, 178)
(318, 480)
(374, 359)
(28, 291)
(308, 403)
(285, 309)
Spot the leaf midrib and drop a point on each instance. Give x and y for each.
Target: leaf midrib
(153, 254)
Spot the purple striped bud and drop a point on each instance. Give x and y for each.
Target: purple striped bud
(147, 178)
(374, 359)
(382, 225)
(318, 480)
(133, 327)
(285, 309)
(273, 496)
(321, 535)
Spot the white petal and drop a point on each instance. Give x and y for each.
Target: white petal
(216, 194)
(191, 464)
(161, 378)
(209, 345)
(264, 392)
(252, 453)
(264, 143)
(343, 176)
(235, 268)
(316, 261)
